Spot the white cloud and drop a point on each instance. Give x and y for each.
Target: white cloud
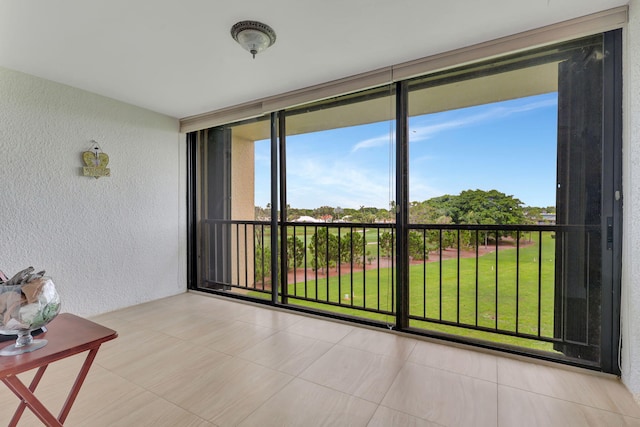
(424, 132)
(378, 141)
(315, 181)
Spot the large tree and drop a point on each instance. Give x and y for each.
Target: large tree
(474, 207)
(488, 207)
(469, 207)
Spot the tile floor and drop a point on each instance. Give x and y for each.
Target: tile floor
(194, 360)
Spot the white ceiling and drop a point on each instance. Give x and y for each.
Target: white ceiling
(177, 57)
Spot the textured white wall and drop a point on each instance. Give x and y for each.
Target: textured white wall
(109, 242)
(630, 353)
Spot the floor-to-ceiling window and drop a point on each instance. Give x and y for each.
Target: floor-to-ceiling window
(339, 175)
(477, 203)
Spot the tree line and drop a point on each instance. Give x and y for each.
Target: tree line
(469, 207)
(363, 214)
(327, 250)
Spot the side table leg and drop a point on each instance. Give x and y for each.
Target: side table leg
(31, 400)
(77, 384)
(32, 387)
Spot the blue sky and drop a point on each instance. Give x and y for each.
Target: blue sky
(508, 146)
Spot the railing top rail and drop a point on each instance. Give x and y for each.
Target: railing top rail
(508, 227)
(305, 224)
(341, 224)
(479, 227)
(235, 221)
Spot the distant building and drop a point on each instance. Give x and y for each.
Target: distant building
(548, 218)
(306, 218)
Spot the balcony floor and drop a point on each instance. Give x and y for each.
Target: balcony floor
(194, 360)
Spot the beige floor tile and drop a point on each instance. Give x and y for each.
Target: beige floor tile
(273, 319)
(118, 324)
(197, 327)
(386, 417)
(103, 319)
(234, 337)
(525, 409)
(223, 393)
(169, 362)
(235, 310)
(380, 342)
(180, 306)
(101, 390)
(357, 372)
(194, 301)
(131, 349)
(320, 329)
(461, 361)
(165, 316)
(140, 312)
(584, 388)
(179, 324)
(302, 403)
(286, 352)
(144, 409)
(443, 397)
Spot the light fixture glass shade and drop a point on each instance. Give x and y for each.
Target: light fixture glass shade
(253, 36)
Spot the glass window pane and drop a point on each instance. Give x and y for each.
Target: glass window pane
(340, 184)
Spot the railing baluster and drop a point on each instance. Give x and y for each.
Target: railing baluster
(253, 249)
(364, 266)
(215, 251)
(246, 254)
(588, 304)
(477, 272)
(315, 256)
(517, 280)
(440, 278)
(351, 272)
(393, 275)
(237, 228)
(497, 281)
(540, 283)
(305, 262)
(327, 263)
(294, 250)
(378, 280)
(338, 268)
(424, 274)
(458, 278)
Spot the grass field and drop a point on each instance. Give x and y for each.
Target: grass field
(514, 292)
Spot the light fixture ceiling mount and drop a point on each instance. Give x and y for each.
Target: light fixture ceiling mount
(253, 36)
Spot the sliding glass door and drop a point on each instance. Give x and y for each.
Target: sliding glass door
(508, 201)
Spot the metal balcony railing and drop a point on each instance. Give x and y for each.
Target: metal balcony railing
(510, 280)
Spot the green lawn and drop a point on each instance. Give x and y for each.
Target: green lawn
(452, 297)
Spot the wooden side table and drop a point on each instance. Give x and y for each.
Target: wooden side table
(68, 335)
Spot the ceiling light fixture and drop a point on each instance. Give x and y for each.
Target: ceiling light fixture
(253, 36)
